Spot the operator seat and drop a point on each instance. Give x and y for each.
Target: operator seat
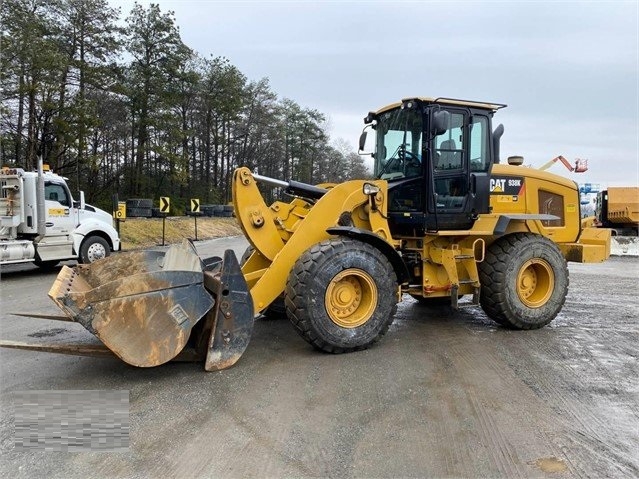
(448, 158)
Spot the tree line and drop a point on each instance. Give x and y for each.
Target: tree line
(133, 110)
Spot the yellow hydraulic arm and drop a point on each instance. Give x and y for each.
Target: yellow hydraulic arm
(282, 232)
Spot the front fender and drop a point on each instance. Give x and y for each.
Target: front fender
(384, 247)
(90, 227)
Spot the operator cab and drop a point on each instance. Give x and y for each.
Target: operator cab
(436, 155)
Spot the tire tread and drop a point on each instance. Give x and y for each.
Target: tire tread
(298, 285)
(493, 271)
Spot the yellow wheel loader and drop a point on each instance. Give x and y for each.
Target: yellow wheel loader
(443, 219)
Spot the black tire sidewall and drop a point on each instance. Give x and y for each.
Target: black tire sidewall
(246, 255)
(514, 312)
(87, 243)
(349, 254)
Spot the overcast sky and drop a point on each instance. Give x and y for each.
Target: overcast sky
(567, 70)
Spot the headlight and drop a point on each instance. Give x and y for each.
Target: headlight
(370, 189)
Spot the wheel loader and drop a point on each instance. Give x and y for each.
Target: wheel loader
(443, 220)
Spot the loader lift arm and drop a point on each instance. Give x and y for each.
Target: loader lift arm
(270, 229)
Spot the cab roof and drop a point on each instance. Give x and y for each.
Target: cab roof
(446, 101)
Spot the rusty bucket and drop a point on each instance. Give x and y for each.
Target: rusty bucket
(147, 307)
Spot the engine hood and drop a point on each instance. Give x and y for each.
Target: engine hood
(96, 213)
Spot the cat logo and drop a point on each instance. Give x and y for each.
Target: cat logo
(507, 185)
(497, 185)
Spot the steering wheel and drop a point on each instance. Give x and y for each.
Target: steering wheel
(409, 160)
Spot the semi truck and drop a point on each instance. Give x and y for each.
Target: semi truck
(41, 223)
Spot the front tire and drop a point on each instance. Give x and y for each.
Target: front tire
(341, 295)
(93, 248)
(524, 281)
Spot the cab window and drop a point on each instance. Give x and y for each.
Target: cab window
(55, 192)
(449, 146)
(479, 144)
(399, 144)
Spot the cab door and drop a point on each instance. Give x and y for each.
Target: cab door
(480, 162)
(61, 216)
(450, 202)
(461, 163)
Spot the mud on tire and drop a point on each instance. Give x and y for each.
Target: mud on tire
(353, 280)
(524, 281)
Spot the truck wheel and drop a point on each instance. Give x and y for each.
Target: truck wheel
(341, 295)
(93, 248)
(276, 309)
(524, 281)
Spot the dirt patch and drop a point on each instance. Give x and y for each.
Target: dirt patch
(551, 464)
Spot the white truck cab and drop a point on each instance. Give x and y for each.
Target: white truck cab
(41, 223)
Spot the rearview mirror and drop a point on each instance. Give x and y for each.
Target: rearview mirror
(439, 122)
(362, 140)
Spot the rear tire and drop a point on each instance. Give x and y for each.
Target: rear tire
(341, 295)
(93, 248)
(524, 281)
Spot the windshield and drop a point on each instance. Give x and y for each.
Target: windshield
(398, 149)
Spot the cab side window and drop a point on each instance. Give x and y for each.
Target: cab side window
(479, 144)
(449, 146)
(55, 192)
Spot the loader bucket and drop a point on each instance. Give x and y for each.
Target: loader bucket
(144, 306)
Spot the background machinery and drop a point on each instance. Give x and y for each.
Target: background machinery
(581, 166)
(618, 208)
(444, 219)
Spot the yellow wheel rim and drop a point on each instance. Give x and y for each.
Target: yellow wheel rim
(351, 298)
(535, 283)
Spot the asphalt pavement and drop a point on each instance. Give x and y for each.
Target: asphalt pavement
(443, 394)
